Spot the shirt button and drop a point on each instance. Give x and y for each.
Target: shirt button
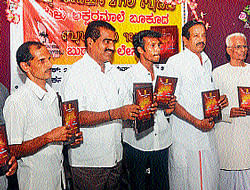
(155, 134)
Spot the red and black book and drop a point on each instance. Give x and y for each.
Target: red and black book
(211, 106)
(4, 151)
(169, 41)
(244, 98)
(70, 115)
(164, 89)
(143, 96)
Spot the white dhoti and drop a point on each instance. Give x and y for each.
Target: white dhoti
(236, 180)
(193, 170)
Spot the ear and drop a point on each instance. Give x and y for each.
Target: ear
(229, 50)
(25, 66)
(140, 50)
(185, 40)
(90, 42)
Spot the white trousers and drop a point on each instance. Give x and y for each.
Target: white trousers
(193, 170)
(234, 180)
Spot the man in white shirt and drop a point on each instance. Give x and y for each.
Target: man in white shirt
(233, 138)
(32, 115)
(193, 157)
(96, 164)
(150, 150)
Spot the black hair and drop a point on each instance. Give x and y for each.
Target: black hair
(138, 40)
(93, 30)
(188, 25)
(23, 53)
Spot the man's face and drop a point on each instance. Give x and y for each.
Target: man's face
(103, 49)
(40, 66)
(238, 48)
(197, 40)
(151, 52)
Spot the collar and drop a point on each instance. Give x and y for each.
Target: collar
(39, 92)
(194, 56)
(94, 65)
(140, 68)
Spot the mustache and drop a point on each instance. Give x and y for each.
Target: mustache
(200, 43)
(113, 51)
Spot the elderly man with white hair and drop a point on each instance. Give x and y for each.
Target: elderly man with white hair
(233, 137)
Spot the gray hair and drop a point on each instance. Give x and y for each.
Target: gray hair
(228, 39)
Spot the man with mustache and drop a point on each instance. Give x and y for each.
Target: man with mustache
(233, 138)
(32, 118)
(193, 160)
(151, 149)
(96, 164)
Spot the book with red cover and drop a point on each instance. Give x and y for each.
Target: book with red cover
(244, 98)
(164, 89)
(210, 104)
(169, 41)
(143, 96)
(4, 151)
(70, 115)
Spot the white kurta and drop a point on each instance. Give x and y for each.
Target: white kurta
(233, 138)
(161, 137)
(31, 112)
(96, 91)
(193, 157)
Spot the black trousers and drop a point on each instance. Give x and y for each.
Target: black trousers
(138, 161)
(93, 178)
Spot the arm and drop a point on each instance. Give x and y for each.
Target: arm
(31, 147)
(203, 125)
(91, 118)
(88, 118)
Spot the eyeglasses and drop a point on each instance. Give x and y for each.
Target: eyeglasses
(240, 47)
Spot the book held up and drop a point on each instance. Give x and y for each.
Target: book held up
(143, 96)
(164, 89)
(244, 98)
(70, 116)
(211, 106)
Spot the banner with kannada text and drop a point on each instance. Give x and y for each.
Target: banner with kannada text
(60, 25)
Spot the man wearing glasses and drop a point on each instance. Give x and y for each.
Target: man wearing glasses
(233, 138)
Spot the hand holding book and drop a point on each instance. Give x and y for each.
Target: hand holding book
(205, 125)
(78, 139)
(237, 112)
(129, 112)
(171, 105)
(12, 166)
(223, 101)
